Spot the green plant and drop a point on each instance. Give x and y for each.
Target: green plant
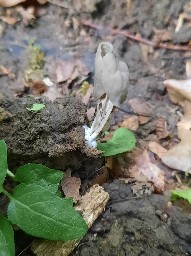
(122, 141)
(36, 107)
(35, 206)
(180, 193)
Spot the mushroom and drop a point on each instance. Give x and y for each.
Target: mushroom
(179, 157)
(110, 88)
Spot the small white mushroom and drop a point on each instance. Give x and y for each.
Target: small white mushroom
(179, 157)
(110, 88)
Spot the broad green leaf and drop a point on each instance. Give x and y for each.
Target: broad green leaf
(40, 213)
(122, 141)
(36, 107)
(185, 194)
(39, 174)
(3, 163)
(7, 246)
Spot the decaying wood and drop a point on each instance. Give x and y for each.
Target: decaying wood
(91, 206)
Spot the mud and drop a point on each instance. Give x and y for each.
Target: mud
(131, 225)
(53, 136)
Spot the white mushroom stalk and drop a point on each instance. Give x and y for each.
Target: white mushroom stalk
(110, 88)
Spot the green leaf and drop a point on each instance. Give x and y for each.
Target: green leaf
(7, 246)
(40, 175)
(36, 107)
(3, 163)
(40, 213)
(122, 141)
(185, 194)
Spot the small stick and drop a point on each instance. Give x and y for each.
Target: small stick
(138, 38)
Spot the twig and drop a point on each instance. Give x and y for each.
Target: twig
(138, 38)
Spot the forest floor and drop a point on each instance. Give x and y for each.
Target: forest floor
(58, 41)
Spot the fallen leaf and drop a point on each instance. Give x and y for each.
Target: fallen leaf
(9, 20)
(150, 171)
(140, 107)
(102, 176)
(143, 119)
(6, 71)
(71, 186)
(10, 3)
(188, 69)
(130, 122)
(161, 129)
(27, 14)
(64, 70)
(90, 113)
(157, 149)
(38, 87)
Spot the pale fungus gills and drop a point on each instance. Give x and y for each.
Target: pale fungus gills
(110, 88)
(179, 157)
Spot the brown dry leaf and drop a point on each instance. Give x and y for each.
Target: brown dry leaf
(37, 86)
(140, 107)
(10, 3)
(27, 14)
(157, 149)
(64, 70)
(130, 122)
(102, 176)
(188, 69)
(9, 20)
(71, 186)
(161, 129)
(179, 157)
(143, 119)
(88, 94)
(150, 171)
(83, 69)
(90, 113)
(6, 71)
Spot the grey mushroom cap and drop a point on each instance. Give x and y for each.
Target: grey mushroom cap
(111, 75)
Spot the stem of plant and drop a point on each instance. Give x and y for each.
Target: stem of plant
(12, 175)
(6, 193)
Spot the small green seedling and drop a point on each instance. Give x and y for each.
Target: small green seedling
(122, 141)
(36, 107)
(35, 206)
(179, 193)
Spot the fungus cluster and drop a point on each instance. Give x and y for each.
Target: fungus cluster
(110, 88)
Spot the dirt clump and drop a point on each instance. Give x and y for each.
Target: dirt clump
(53, 135)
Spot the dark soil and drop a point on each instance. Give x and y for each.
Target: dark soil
(131, 224)
(53, 136)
